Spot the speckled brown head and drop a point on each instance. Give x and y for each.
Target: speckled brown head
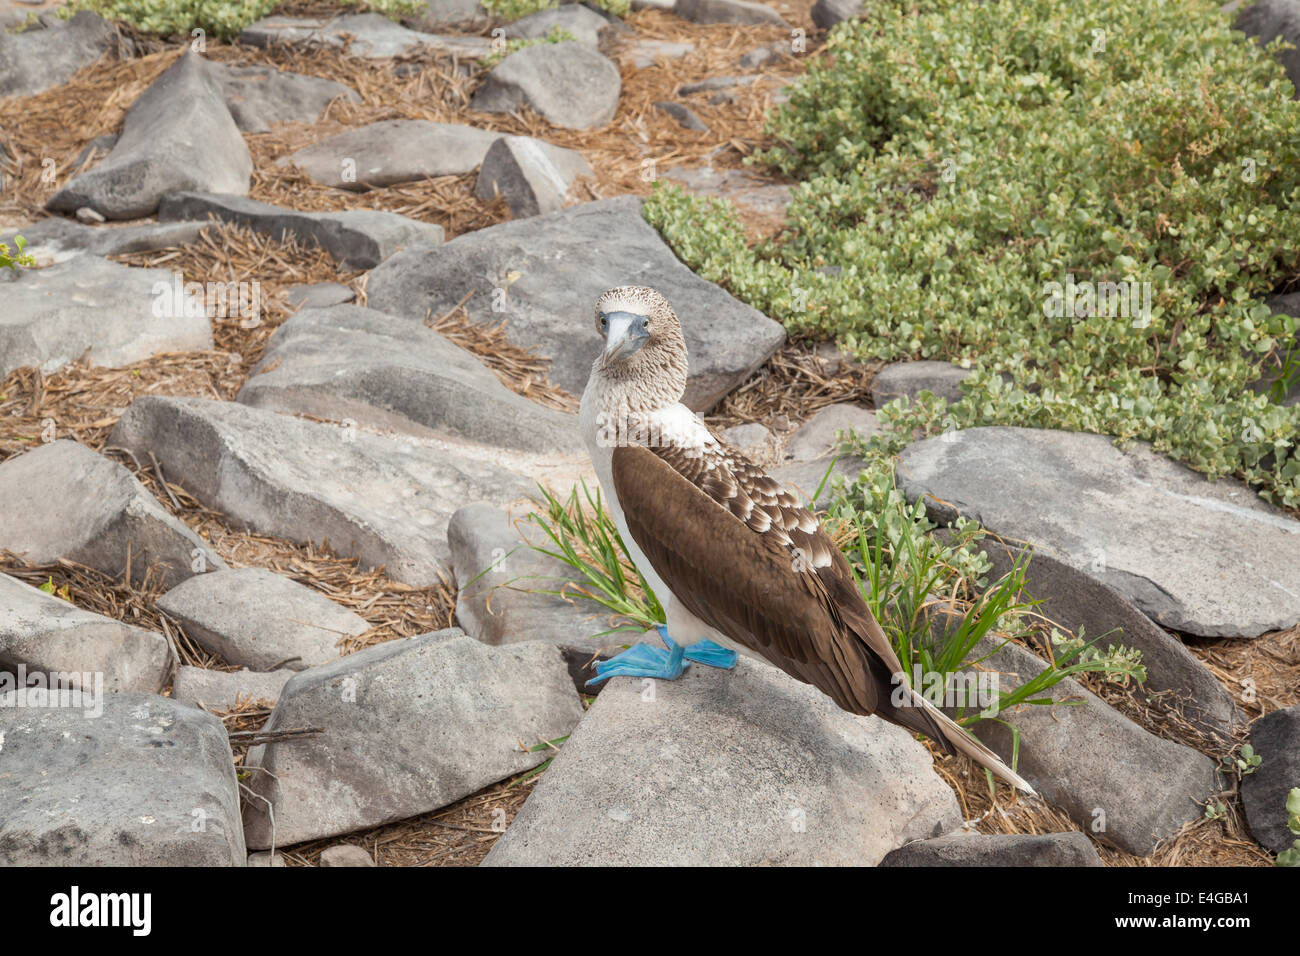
(644, 358)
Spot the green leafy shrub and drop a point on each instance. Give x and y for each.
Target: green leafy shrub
(960, 160)
(216, 18)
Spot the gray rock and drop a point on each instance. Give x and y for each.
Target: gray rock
(1276, 738)
(156, 155)
(385, 502)
(345, 854)
(645, 53)
(828, 13)
(727, 768)
(1007, 849)
(727, 11)
(568, 258)
(45, 633)
(715, 83)
(358, 238)
(393, 151)
(259, 619)
(371, 36)
(467, 15)
(409, 726)
(347, 362)
(110, 313)
(149, 782)
(582, 23)
(63, 501)
(1209, 558)
(1265, 21)
(259, 96)
(757, 57)
(653, 4)
(222, 690)
(684, 115)
(813, 456)
(740, 186)
(55, 239)
(568, 84)
(910, 379)
(1129, 788)
(96, 149)
(318, 295)
(752, 438)
(266, 858)
(818, 438)
(1073, 599)
(49, 55)
(531, 174)
(495, 571)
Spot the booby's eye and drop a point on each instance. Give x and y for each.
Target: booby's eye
(604, 322)
(645, 325)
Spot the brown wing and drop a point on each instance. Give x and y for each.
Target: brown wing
(745, 557)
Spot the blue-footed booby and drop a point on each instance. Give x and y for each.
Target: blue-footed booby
(737, 562)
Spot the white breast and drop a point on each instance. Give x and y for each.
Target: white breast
(675, 423)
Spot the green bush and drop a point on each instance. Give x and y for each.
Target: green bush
(557, 34)
(960, 160)
(221, 19)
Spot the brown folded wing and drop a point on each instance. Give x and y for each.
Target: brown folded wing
(745, 557)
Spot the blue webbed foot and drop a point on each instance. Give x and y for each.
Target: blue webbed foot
(642, 660)
(703, 652)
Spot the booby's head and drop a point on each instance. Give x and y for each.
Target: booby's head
(644, 357)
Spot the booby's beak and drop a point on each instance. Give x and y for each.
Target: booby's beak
(625, 333)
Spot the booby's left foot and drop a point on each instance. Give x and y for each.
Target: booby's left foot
(703, 652)
(642, 660)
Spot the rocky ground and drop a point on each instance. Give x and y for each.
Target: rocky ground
(308, 319)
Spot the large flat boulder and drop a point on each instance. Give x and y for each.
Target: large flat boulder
(371, 36)
(156, 155)
(147, 782)
(45, 633)
(581, 23)
(1206, 557)
(727, 768)
(110, 313)
(260, 619)
(550, 270)
(357, 238)
(407, 727)
(348, 362)
(568, 84)
(393, 151)
(260, 96)
(435, 15)
(50, 53)
(64, 501)
(1129, 788)
(384, 501)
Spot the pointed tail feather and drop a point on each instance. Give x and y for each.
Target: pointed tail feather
(923, 717)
